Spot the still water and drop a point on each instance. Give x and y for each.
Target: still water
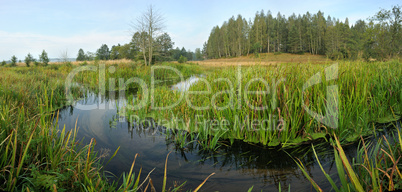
(236, 168)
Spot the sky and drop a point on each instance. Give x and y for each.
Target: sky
(60, 26)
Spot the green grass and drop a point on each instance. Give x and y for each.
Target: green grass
(35, 155)
(376, 167)
(368, 93)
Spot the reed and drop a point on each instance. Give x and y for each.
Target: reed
(376, 167)
(367, 93)
(35, 155)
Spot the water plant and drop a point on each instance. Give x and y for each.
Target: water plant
(376, 167)
(225, 103)
(35, 154)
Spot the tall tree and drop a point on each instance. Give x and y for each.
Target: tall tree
(198, 54)
(90, 56)
(140, 39)
(81, 55)
(270, 30)
(163, 45)
(115, 52)
(389, 24)
(103, 52)
(150, 24)
(380, 38)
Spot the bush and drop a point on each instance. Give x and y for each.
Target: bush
(54, 66)
(68, 64)
(29, 59)
(3, 63)
(182, 59)
(335, 55)
(84, 63)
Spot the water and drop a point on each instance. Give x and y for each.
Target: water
(185, 85)
(236, 168)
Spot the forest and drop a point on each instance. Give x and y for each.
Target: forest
(378, 38)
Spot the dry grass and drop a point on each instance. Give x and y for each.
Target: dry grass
(108, 62)
(265, 59)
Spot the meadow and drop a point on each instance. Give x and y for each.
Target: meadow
(261, 104)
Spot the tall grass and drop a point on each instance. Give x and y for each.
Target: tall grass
(368, 93)
(35, 155)
(376, 167)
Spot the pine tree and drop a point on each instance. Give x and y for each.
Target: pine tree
(81, 55)
(43, 58)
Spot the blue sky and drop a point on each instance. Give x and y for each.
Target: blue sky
(28, 26)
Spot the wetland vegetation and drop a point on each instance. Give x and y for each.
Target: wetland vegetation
(235, 112)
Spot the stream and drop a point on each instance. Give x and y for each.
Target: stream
(237, 167)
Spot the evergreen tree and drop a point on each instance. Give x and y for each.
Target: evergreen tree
(43, 58)
(103, 52)
(81, 55)
(13, 61)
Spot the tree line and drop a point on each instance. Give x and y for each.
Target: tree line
(163, 51)
(379, 38)
(148, 43)
(29, 59)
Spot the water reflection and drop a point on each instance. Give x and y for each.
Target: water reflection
(237, 167)
(185, 85)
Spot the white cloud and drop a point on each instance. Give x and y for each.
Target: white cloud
(20, 44)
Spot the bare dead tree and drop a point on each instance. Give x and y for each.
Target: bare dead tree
(64, 56)
(149, 25)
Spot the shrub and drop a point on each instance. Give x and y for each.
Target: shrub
(83, 63)
(182, 59)
(13, 61)
(29, 59)
(54, 67)
(3, 63)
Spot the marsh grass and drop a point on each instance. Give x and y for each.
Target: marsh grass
(375, 168)
(35, 154)
(368, 93)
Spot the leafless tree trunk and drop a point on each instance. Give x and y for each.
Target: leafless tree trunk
(64, 56)
(150, 23)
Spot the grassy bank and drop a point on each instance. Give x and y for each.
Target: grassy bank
(35, 155)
